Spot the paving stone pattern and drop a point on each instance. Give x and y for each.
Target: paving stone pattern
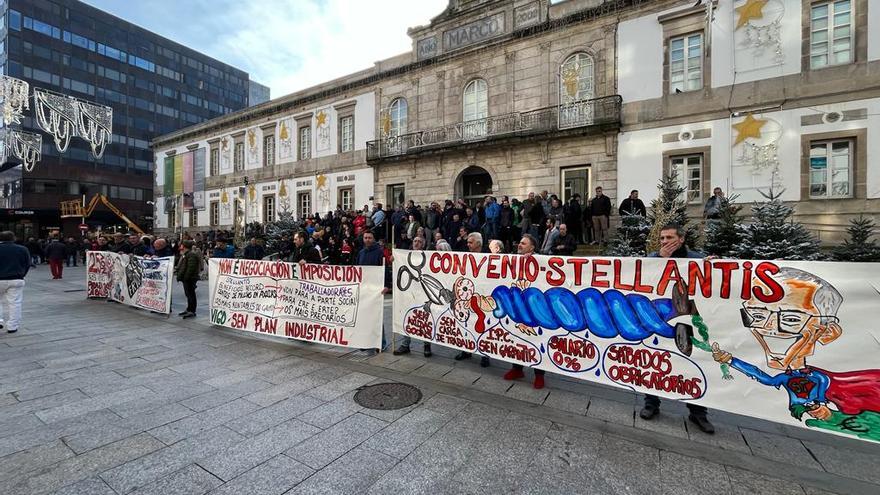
(97, 398)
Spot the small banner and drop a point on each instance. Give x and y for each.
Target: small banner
(168, 186)
(144, 283)
(328, 304)
(199, 179)
(790, 342)
(187, 159)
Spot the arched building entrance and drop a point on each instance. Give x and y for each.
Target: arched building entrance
(473, 184)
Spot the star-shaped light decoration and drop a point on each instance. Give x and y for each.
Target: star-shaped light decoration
(283, 189)
(224, 198)
(321, 118)
(386, 124)
(284, 135)
(322, 181)
(750, 127)
(252, 138)
(252, 192)
(752, 9)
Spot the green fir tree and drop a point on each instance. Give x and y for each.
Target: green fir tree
(721, 233)
(774, 235)
(284, 224)
(630, 238)
(669, 207)
(860, 246)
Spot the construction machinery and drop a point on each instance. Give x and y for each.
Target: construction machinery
(78, 208)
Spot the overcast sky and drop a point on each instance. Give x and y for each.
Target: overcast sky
(287, 45)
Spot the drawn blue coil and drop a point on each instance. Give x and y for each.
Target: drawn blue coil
(607, 314)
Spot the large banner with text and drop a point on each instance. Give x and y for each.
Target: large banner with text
(144, 283)
(791, 342)
(328, 304)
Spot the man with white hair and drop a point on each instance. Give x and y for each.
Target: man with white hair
(474, 245)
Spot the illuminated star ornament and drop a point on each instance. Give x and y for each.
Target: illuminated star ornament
(322, 181)
(321, 118)
(752, 9)
(750, 127)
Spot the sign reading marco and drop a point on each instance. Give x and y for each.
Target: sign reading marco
(474, 32)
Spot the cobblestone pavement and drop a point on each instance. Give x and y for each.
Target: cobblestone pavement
(97, 398)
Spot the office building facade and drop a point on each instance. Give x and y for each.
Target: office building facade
(153, 84)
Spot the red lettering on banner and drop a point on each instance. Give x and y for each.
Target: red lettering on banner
(449, 333)
(650, 369)
(727, 268)
(555, 264)
(239, 321)
(598, 273)
(618, 284)
(418, 324)
(265, 325)
(492, 266)
(764, 273)
(315, 332)
(670, 275)
(746, 292)
(702, 278)
(572, 353)
(578, 268)
(637, 280)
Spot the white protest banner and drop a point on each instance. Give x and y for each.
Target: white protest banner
(329, 304)
(790, 342)
(144, 283)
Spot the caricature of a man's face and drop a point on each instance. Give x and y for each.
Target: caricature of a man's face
(788, 329)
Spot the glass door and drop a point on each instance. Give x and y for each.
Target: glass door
(575, 180)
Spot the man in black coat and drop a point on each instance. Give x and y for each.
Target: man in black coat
(303, 252)
(56, 253)
(574, 216)
(632, 205)
(600, 208)
(565, 243)
(15, 261)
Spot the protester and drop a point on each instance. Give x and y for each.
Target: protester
(474, 245)
(672, 245)
(222, 249)
(15, 261)
(712, 210)
(71, 252)
(372, 255)
(161, 249)
(188, 273)
(632, 205)
(565, 244)
(303, 251)
(418, 244)
(56, 253)
(526, 247)
(254, 251)
(600, 211)
(35, 251)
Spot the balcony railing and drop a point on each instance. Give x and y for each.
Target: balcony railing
(584, 113)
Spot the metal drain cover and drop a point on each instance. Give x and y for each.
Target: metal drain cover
(388, 396)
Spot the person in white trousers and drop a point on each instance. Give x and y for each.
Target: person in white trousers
(14, 265)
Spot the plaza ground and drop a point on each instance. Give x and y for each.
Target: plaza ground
(98, 398)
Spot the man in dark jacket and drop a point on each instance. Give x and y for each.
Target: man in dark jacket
(564, 244)
(15, 261)
(600, 208)
(35, 251)
(303, 252)
(574, 214)
(632, 205)
(188, 273)
(161, 249)
(373, 255)
(254, 251)
(56, 253)
(72, 250)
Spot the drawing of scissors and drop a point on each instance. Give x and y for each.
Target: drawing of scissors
(434, 290)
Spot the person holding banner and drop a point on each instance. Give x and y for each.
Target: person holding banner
(188, 274)
(672, 245)
(373, 255)
(474, 245)
(418, 244)
(526, 247)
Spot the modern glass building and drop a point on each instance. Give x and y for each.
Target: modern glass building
(154, 85)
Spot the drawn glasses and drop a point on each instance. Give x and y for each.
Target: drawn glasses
(790, 321)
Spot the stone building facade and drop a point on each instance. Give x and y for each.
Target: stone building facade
(750, 94)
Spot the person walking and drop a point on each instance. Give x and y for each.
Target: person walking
(600, 210)
(672, 245)
(72, 250)
(56, 253)
(526, 247)
(35, 251)
(15, 261)
(188, 274)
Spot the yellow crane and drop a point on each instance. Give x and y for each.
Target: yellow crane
(75, 208)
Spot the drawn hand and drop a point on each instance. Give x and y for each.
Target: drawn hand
(526, 329)
(720, 356)
(486, 303)
(820, 412)
(521, 284)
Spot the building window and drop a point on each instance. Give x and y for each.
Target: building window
(346, 134)
(214, 219)
(686, 63)
(304, 204)
(346, 198)
(831, 169)
(305, 143)
(476, 100)
(831, 34)
(396, 194)
(397, 115)
(269, 151)
(193, 217)
(215, 162)
(688, 171)
(576, 78)
(238, 158)
(268, 209)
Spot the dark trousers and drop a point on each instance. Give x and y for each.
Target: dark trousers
(696, 410)
(189, 288)
(56, 267)
(71, 259)
(520, 367)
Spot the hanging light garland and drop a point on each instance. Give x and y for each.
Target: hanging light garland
(95, 126)
(64, 117)
(25, 146)
(15, 96)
